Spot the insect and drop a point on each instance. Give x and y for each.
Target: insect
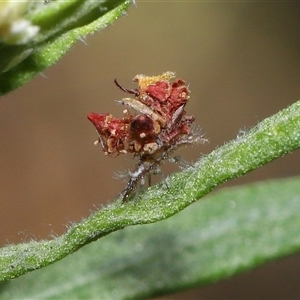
(158, 126)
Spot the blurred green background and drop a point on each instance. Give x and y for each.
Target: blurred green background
(242, 61)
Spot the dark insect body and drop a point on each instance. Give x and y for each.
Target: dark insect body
(159, 126)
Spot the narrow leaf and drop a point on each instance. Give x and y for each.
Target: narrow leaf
(61, 24)
(270, 139)
(229, 232)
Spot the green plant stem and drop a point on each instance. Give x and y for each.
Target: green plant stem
(270, 139)
(61, 23)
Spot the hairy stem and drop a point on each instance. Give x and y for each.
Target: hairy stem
(270, 139)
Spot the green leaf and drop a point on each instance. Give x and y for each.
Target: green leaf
(61, 24)
(270, 139)
(229, 232)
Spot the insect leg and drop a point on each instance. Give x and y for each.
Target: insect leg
(142, 168)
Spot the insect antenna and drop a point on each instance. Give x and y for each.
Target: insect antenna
(133, 91)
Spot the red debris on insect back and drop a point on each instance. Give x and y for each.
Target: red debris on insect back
(159, 126)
